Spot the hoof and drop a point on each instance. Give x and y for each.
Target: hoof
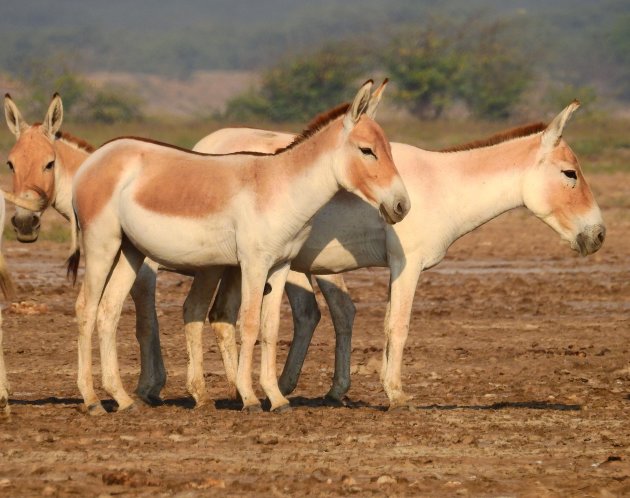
(401, 404)
(129, 407)
(285, 407)
(149, 399)
(5, 411)
(256, 408)
(95, 409)
(333, 401)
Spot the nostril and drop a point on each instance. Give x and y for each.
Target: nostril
(601, 236)
(399, 208)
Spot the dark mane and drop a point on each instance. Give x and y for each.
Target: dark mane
(81, 144)
(316, 124)
(504, 136)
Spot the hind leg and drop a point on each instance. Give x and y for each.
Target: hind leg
(4, 385)
(152, 371)
(100, 254)
(120, 282)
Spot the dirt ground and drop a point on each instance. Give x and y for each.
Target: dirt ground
(518, 359)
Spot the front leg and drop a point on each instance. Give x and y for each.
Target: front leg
(195, 311)
(403, 280)
(342, 312)
(152, 371)
(253, 281)
(270, 323)
(4, 385)
(306, 316)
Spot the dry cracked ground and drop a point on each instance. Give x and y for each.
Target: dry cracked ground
(518, 360)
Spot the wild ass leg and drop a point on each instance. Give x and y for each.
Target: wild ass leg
(195, 312)
(403, 280)
(252, 286)
(342, 311)
(120, 282)
(152, 370)
(268, 346)
(4, 385)
(306, 316)
(98, 263)
(223, 316)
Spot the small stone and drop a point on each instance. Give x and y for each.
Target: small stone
(385, 479)
(267, 439)
(4, 483)
(48, 491)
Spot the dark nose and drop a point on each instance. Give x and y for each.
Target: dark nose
(401, 208)
(25, 225)
(600, 234)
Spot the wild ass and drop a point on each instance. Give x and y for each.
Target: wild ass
(6, 286)
(43, 163)
(199, 213)
(451, 193)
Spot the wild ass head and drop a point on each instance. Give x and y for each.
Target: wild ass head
(371, 173)
(557, 192)
(32, 164)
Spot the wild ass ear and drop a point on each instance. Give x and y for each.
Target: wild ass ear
(54, 117)
(14, 118)
(375, 99)
(553, 133)
(359, 105)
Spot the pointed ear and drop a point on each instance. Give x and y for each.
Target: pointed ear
(359, 105)
(54, 117)
(14, 118)
(553, 133)
(375, 99)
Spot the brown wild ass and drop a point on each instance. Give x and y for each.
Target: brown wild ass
(451, 193)
(43, 162)
(199, 213)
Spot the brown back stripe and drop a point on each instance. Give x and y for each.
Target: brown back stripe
(504, 136)
(182, 149)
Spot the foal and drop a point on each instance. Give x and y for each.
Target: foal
(198, 213)
(452, 193)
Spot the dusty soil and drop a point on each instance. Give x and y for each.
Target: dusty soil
(518, 358)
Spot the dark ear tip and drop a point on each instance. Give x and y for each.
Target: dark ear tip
(385, 81)
(7, 96)
(370, 81)
(55, 95)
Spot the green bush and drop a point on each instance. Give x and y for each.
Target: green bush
(299, 88)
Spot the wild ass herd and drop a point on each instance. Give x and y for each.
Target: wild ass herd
(251, 210)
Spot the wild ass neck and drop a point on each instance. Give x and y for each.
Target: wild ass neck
(480, 184)
(69, 157)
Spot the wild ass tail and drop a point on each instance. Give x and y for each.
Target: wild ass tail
(72, 263)
(6, 284)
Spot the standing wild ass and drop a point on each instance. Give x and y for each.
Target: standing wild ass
(199, 213)
(43, 162)
(452, 193)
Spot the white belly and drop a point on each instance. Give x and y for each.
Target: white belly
(177, 242)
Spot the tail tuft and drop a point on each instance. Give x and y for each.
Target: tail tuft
(72, 264)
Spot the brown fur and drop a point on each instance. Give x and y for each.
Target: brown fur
(521, 131)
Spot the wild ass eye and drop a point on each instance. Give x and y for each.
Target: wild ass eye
(367, 151)
(10, 165)
(569, 173)
(50, 165)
